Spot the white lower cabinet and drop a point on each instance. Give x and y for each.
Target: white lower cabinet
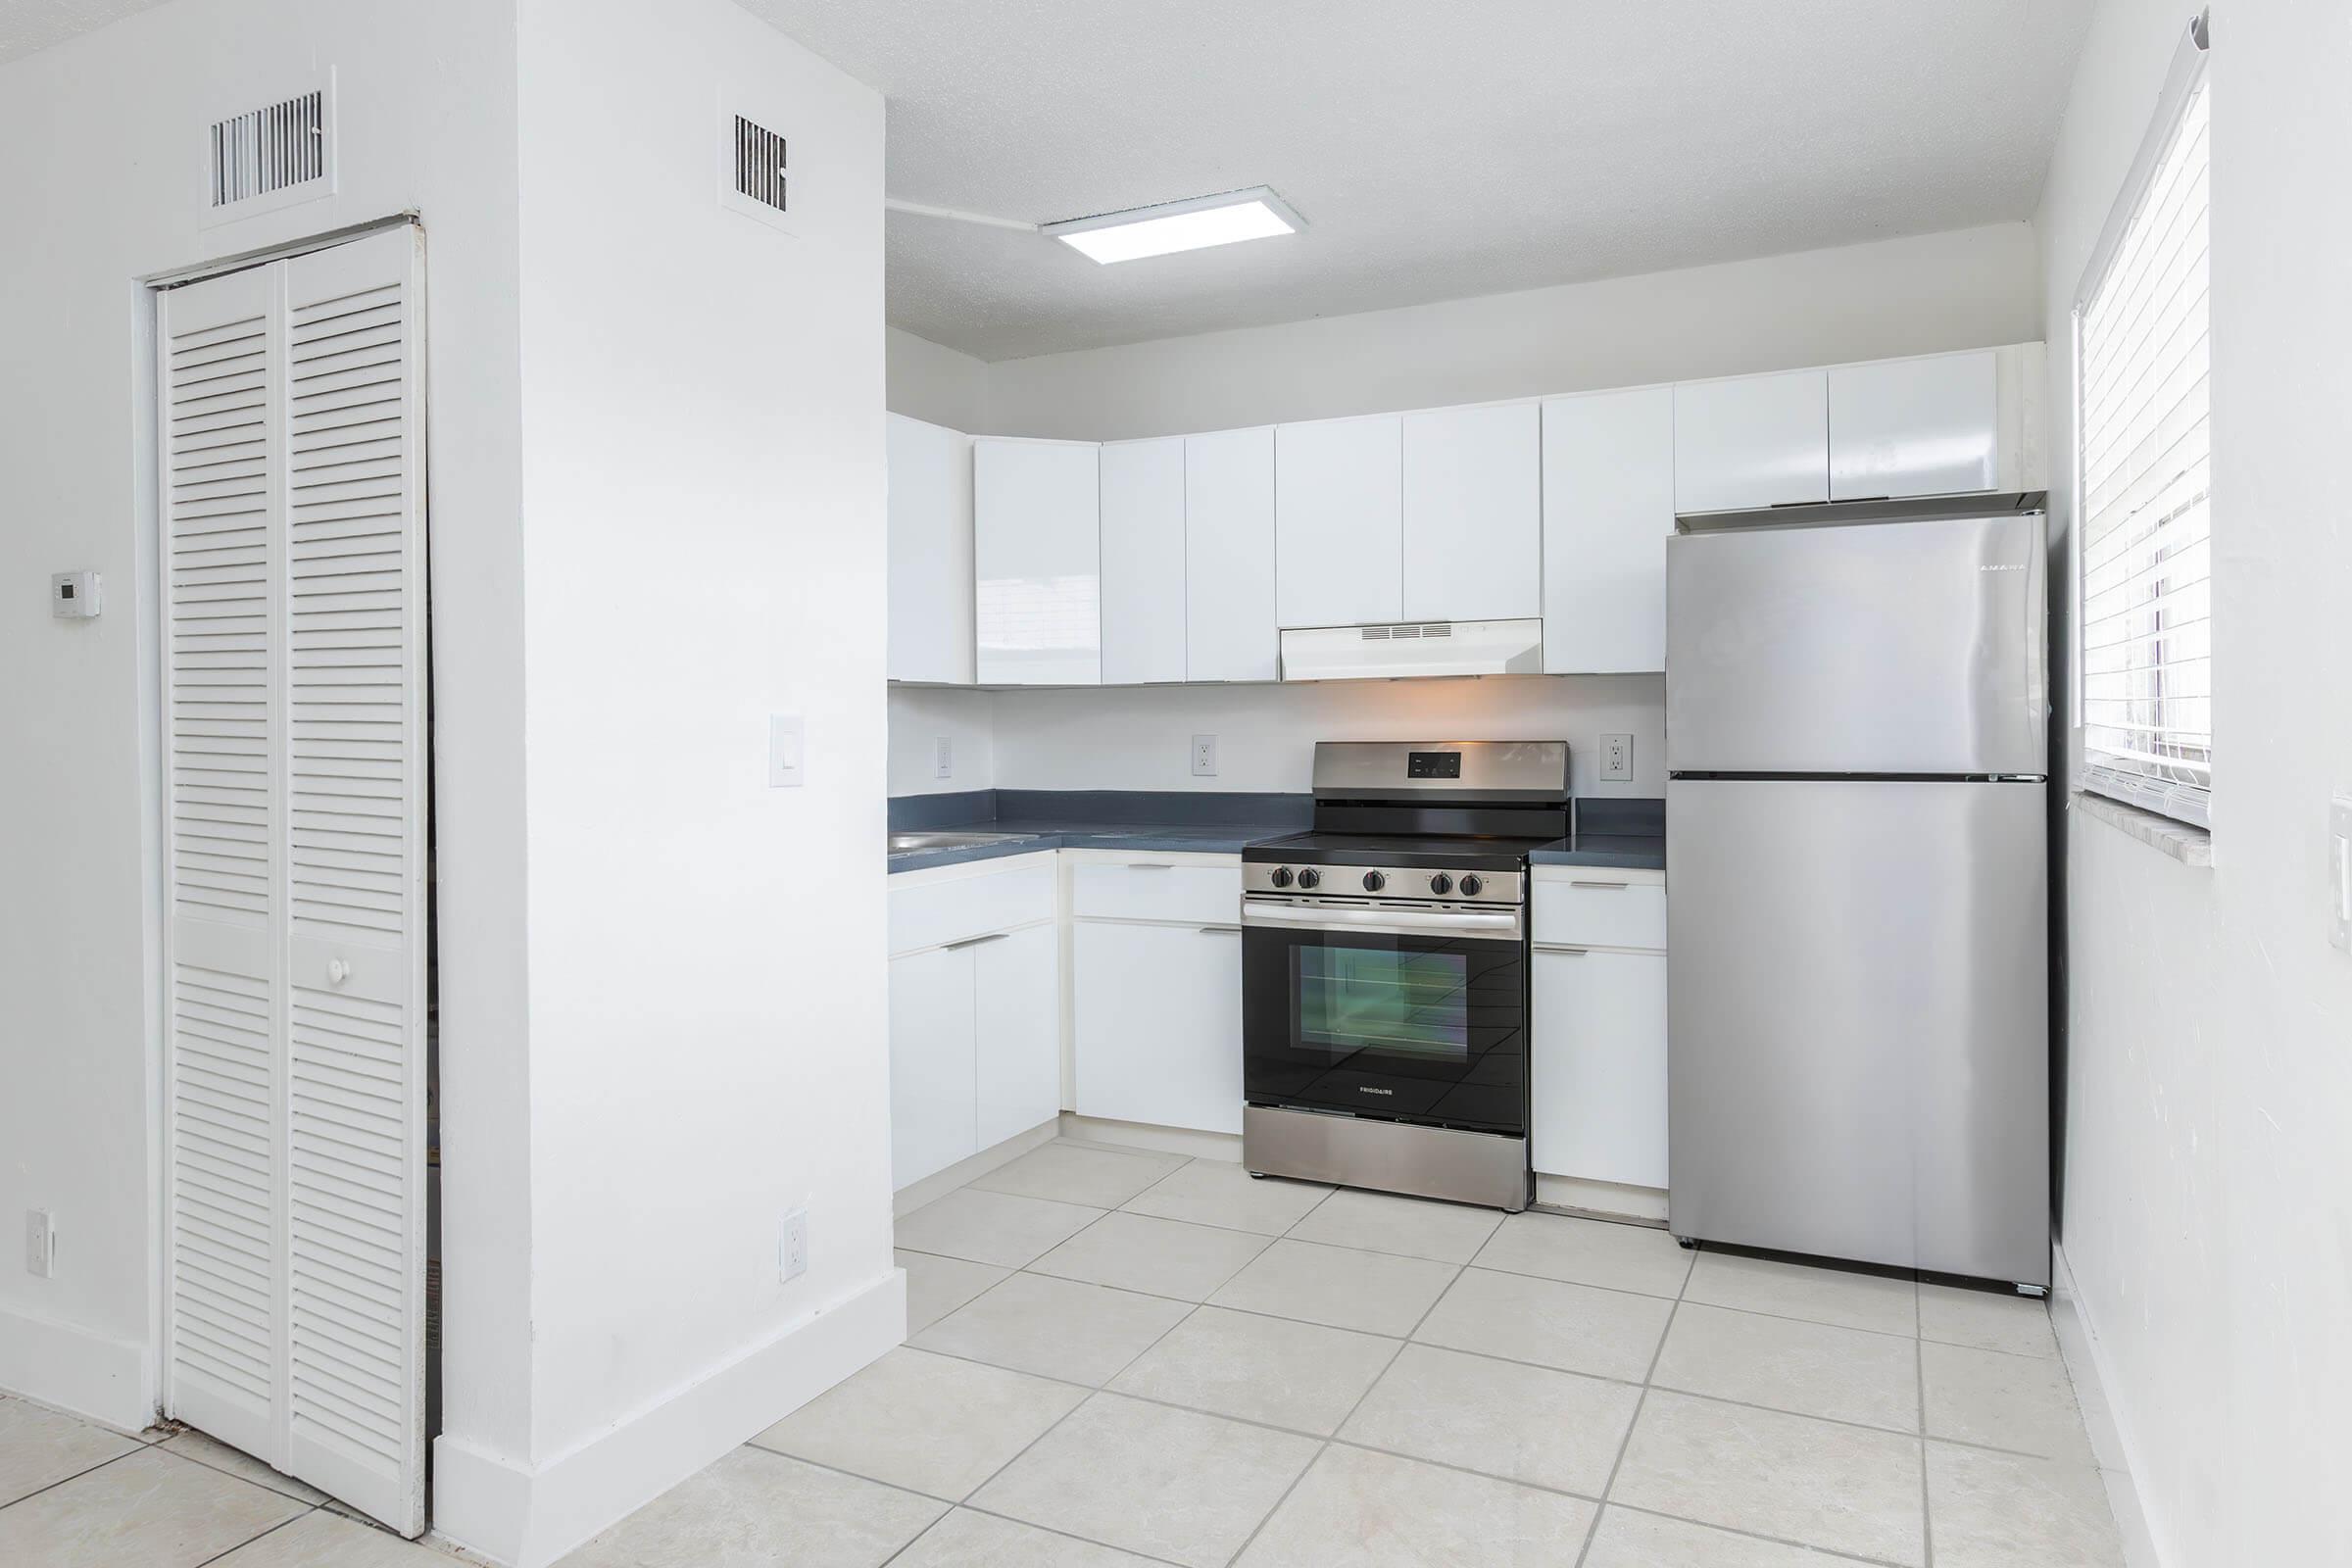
(975, 1012)
(1016, 1011)
(934, 1090)
(1158, 1020)
(1597, 1066)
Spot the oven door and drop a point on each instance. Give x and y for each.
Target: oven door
(1407, 1013)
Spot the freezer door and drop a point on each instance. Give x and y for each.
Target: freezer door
(1861, 648)
(1858, 1021)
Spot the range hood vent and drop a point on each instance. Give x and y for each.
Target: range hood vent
(1414, 647)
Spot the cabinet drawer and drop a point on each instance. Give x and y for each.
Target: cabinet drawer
(1158, 890)
(1600, 908)
(928, 914)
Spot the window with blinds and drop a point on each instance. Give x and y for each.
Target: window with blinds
(2143, 475)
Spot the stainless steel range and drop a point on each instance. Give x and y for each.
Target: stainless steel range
(1385, 970)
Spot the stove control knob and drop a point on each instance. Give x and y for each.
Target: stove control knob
(1374, 881)
(1280, 876)
(1441, 884)
(1470, 887)
(1309, 877)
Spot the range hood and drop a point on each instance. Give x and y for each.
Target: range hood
(1414, 647)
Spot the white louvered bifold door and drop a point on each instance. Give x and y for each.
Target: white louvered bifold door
(298, 798)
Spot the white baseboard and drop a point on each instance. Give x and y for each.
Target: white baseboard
(2087, 1367)
(112, 1382)
(1159, 1139)
(1603, 1199)
(526, 1516)
(940, 1183)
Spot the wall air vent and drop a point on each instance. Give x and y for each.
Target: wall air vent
(262, 159)
(752, 170)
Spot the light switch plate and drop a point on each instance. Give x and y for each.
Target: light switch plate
(946, 758)
(1205, 756)
(1617, 756)
(2339, 870)
(787, 743)
(40, 1243)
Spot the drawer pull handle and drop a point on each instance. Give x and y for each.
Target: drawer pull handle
(1572, 952)
(1152, 865)
(973, 942)
(337, 971)
(1613, 887)
(1220, 930)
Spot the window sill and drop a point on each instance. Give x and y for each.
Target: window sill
(2190, 845)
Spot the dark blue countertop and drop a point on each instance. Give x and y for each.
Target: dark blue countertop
(1173, 822)
(1645, 851)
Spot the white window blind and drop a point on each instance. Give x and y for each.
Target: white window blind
(2143, 474)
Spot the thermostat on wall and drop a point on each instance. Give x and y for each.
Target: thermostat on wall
(74, 595)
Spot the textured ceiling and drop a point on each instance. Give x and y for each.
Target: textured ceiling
(30, 25)
(1437, 148)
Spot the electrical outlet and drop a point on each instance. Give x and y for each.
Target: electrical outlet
(40, 1243)
(1617, 756)
(794, 1259)
(1205, 756)
(946, 758)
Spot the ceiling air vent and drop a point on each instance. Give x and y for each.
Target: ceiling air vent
(271, 157)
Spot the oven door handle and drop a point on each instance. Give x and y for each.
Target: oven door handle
(1501, 924)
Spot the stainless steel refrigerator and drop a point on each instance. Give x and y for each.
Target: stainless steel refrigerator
(1856, 742)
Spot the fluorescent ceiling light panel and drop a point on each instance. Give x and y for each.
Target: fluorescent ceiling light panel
(1186, 225)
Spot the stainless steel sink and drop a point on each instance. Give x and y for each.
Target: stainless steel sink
(944, 839)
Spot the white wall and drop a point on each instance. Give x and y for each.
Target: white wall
(934, 383)
(1970, 288)
(705, 547)
(425, 107)
(2207, 1202)
(920, 716)
(1140, 738)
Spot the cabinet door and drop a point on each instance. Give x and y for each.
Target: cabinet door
(1597, 1070)
(1016, 1011)
(1758, 441)
(1473, 513)
(1158, 1020)
(1229, 556)
(1914, 428)
(1037, 551)
(931, 1063)
(930, 553)
(1608, 509)
(1143, 562)
(1339, 523)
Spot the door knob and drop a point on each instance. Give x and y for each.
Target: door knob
(337, 971)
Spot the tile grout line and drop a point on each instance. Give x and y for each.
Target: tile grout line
(272, 1530)
(1484, 1355)
(1641, 1403)
(144, 1448)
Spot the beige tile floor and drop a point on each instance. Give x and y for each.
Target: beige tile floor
(1120, 1358)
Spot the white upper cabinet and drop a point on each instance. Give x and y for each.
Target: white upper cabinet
(1339, 523)
(1756, 441)
(1914, 428)
(1473, 513)
(1229, 556)
(930, 553)
(1143, 562)
(1036, 550)
(1608, 508)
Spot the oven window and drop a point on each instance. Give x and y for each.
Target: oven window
(1380, 999)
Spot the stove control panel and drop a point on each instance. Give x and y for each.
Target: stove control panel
(1389, 884)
